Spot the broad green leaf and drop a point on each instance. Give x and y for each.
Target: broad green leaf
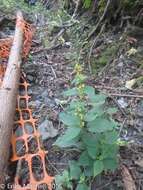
(75, 170)
(79, 79)
(91, 143)
(69, 136)
(111, 110)
(90, 140)
(90, 91)
(101, 125)
(94, 113)
(84, 159)
(98, 167)
(88, 171)
(66, 144)
(69, 119)
(92, 151)
(111, 137)
(71, 133)
(74, 104)
(82, 186)
(109, 151)
(63, 180)
(110, 164)
(98, 99)
(71, 92)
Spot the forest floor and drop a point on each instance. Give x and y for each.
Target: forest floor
(50, 71)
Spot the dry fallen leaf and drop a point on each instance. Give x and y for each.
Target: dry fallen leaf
(139, 162)
(129, 183)
(132, 51)
(130, 83)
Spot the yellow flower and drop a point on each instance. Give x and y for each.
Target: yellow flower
(78, 69)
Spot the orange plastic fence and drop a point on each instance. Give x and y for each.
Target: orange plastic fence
(5, 44)
(26, 147)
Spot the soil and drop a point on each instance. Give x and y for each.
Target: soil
(49, 73)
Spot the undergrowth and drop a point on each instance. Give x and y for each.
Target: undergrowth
(90, 131)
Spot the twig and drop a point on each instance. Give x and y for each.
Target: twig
(76, 8)
(103, 186)
(121, 109)
(58, 35)
(111, 61)
(52, 165)
(126, 95)
(108, 87)
(93, 45)
(117, 94)
(100, 20)
(53, 72)
(46, 49)
(121, 128)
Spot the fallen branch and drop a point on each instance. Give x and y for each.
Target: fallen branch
(8, 94)
(126, 95)
(104, 89)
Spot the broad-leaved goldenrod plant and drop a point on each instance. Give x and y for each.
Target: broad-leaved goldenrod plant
(91, 131)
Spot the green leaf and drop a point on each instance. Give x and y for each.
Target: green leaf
(89, 91)
(87, 3)
(92, 151)
(79, 79)
(74, 104)
(82, 186)
(69, 119)
(90, 140)
(70, 135)
(88, 171)
(98, 167)
(98, 99)
(63, 180)
(111, 110)
(66, 144)
(101, 125)
(84, 159)
(111, 137)
(71, 92)
(75, 170)
(110, 164)
(109, 151)
(94, 113)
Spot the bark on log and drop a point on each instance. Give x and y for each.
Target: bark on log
(8, 94)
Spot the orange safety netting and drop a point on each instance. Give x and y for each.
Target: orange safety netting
(25, 140)
(5, 44)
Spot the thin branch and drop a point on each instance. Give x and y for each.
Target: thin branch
(100, 20)
(93, 45)
(76, 8)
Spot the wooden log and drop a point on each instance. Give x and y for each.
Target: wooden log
(8, 94)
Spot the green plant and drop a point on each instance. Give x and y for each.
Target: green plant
(87, 3)
(91, 131)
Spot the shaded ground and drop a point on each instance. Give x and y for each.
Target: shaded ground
(53, 73)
